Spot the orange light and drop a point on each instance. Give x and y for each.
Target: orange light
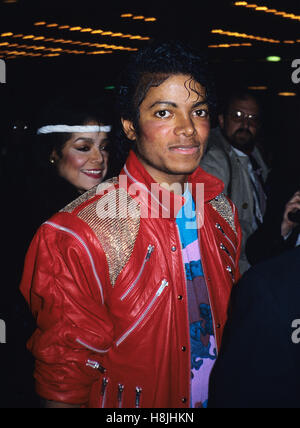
(287, 94)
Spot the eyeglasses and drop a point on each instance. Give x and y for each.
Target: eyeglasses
(239, 117)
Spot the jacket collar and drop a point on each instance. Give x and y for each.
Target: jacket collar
(161, 202)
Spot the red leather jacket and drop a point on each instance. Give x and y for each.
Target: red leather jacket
(106, 282)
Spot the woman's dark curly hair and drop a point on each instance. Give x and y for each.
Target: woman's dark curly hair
(150, 67)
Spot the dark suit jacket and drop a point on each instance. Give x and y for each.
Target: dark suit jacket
(259, 365)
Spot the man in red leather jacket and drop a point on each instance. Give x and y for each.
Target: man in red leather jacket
(105, 277)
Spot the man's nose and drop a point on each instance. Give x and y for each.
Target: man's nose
(246, 122)
(185, 126)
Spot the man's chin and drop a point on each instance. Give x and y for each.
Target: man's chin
(243, 145)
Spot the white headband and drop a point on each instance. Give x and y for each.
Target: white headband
(50, 129)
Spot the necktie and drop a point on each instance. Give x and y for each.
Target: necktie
(259, 187)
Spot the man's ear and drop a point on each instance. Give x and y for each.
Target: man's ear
(221, 120)
(129, 129)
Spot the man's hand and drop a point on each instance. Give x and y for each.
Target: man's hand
(287, 225)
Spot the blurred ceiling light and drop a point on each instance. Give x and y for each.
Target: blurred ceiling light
(287, 94)
(101, 32)
(261, 8)
(258, 88)
(267, 10)
(231, 45)
(40, 23)
(138, 17)
(244, 36)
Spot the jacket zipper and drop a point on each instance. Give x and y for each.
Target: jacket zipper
(222, 246)
(138, 394)
(219, 227)
(159, 292)
(120, 395)
(147, 258)
(103, 391)
(95, 365)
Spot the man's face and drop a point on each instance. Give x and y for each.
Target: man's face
(241, 123)
(174, 125)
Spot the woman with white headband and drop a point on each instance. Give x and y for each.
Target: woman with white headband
(73, 151)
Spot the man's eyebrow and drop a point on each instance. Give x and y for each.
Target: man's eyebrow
(169, 103)
(200, 103)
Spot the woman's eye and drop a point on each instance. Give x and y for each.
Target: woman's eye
(163, 114)
(83, 149)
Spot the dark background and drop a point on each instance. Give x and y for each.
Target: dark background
(33, 81)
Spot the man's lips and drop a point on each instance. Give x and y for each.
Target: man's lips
(185, 150)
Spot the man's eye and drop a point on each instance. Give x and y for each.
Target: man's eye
(202, 113)
(163, 114)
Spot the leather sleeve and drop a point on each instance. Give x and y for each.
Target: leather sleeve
(73, 323)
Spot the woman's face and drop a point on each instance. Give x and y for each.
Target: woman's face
(84, 160)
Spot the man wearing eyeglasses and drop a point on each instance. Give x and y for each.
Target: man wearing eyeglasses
(233, 157)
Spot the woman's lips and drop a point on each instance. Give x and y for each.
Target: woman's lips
(96, 174)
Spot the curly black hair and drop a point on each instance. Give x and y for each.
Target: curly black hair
(150, 67)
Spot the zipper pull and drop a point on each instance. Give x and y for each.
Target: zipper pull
(222, 246)
(150, 251)
(95, 365)
(162, 287)
(104, 385)
(228, 268)
(120, 394)
(138, 390)
(218, 226)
